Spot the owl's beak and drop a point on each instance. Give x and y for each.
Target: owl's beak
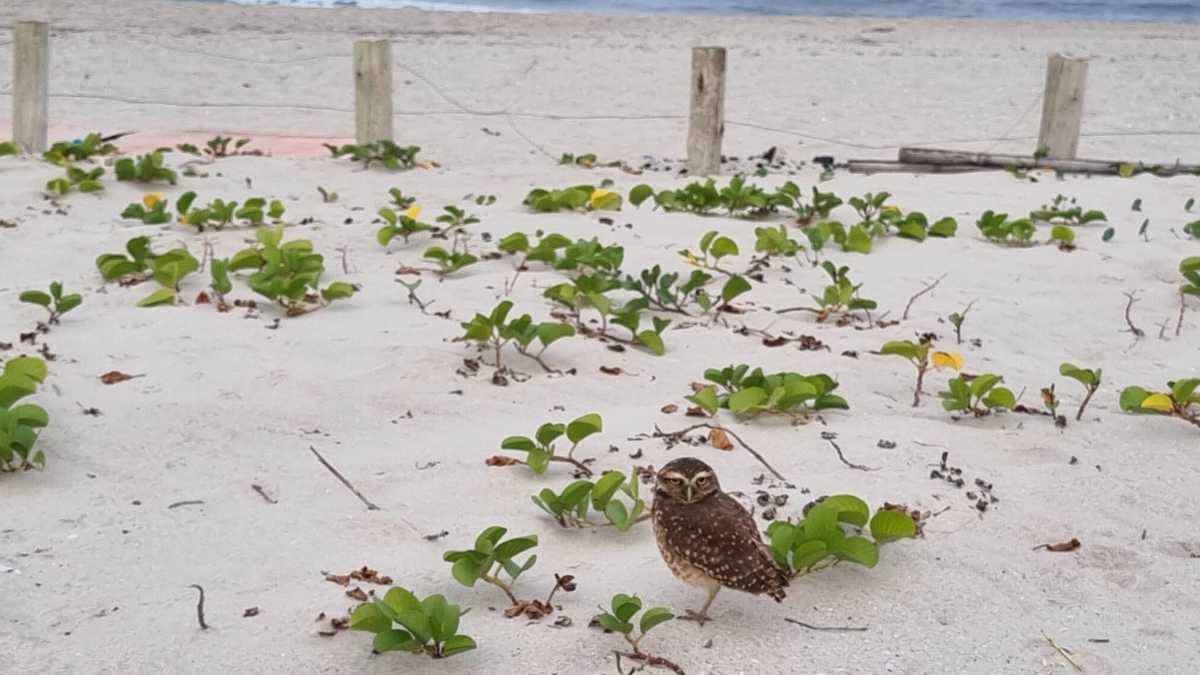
(689, 493)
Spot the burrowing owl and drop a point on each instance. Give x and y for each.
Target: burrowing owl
(707, 538)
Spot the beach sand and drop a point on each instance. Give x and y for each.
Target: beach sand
(95, 568)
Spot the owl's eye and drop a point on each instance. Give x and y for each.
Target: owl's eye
(702, 480)
(675, 481)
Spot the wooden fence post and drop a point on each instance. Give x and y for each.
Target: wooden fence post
(706, 124)
(1062, 107)
(372, 91)
(31, 84)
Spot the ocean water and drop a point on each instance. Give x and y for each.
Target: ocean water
(1079, 10)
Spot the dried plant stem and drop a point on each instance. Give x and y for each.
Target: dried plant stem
(855, 629)
(263, 493)
(200, 606)
(1086, 399)
(677, 435)
(1065, 654)
(1182, 307)
(1138, 332)
(647, 661)
(412, 295)
(860, 467)
(348, 484)
(923, 291)
(495, 581)
(921, 368)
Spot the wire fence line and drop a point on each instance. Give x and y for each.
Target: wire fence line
(457, 107)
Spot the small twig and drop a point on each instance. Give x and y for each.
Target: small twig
(658, 433)
(259, 489)
(923, 291)
(1138, 332)
(860, 467)
(370, 506)
(1182, 307)
(1065, 654)
(852, 629)
(412, 295)
(345, 263)
(200, 606)
(1162, 328)
(189, 502)
(647, 661)
(962, 318)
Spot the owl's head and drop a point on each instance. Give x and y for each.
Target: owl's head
(686, 480)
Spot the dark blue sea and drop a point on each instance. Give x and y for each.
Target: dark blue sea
(1066, 10)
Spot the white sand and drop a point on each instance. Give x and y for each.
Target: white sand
(226, 403)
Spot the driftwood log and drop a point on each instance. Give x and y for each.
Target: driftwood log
(933, 160)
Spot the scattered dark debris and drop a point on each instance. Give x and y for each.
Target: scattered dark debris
(636, 454)
(436, 535)
(530, 609)
(1073, 461)
(886, 444)
(563, 621)
(249, 612)
(427, 465)
(611, 370)
(358, 594)
(369, 575)
(339, 579)
(501, 460)
(188, 502)
(850, 353)
(5, 346)
(274, 325)
(669, 409)
(616, 348)
(93, 412)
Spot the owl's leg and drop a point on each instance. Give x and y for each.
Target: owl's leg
(702, 616)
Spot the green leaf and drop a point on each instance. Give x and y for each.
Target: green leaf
(550, 332)
(36, 298)
(722, 247)
(337, 291)
(1182, 390)
(514, 547)
(734, 287)
(369, 618)
(400, 599)
(30, 415)
(890, 524)
(904, 348)
(605, 488)
(625, 606)
(417, 623)
(616, 514)
(457, 645)
(654, 616)
(850, 509)
(69, 302)
(582, 427)
(746, 399)
(548, 432)
(652, 341)
(706, 398)
(859, 550)
(857, 240)
(983, 383)
(392, 640)
(612, 623)
(465, 571)
(163, 296)
(1000, 397)
(639, 194)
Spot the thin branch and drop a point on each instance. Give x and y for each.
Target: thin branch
(923, 291)
(853, 629)
(370, 506)
(200, 606)
(259, 489)
(860, 467)
(1065, 654)
(677, 435)
(412, 295)
(1182, 307)
(1138, 332)
(538, 358)
(647, 661)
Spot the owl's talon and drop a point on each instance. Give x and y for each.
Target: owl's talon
(699, 617)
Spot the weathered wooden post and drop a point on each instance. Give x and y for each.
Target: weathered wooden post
(372, 91)
(1062, 107)
(31, 84)
(706, 124)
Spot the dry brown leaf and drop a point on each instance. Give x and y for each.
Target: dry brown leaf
(697, 387)
(530, 609)
(339, 579)
(358, 594)
(696, 411)
(670, 408)
(611, 370)
(115, 376)
(501, 460)
(202, 298)
(719, 439)
(1061, 547)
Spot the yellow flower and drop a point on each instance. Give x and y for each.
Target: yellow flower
(1159, 402)
(692, 260)
(948, 360)
(151, 200)
(413, 212)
